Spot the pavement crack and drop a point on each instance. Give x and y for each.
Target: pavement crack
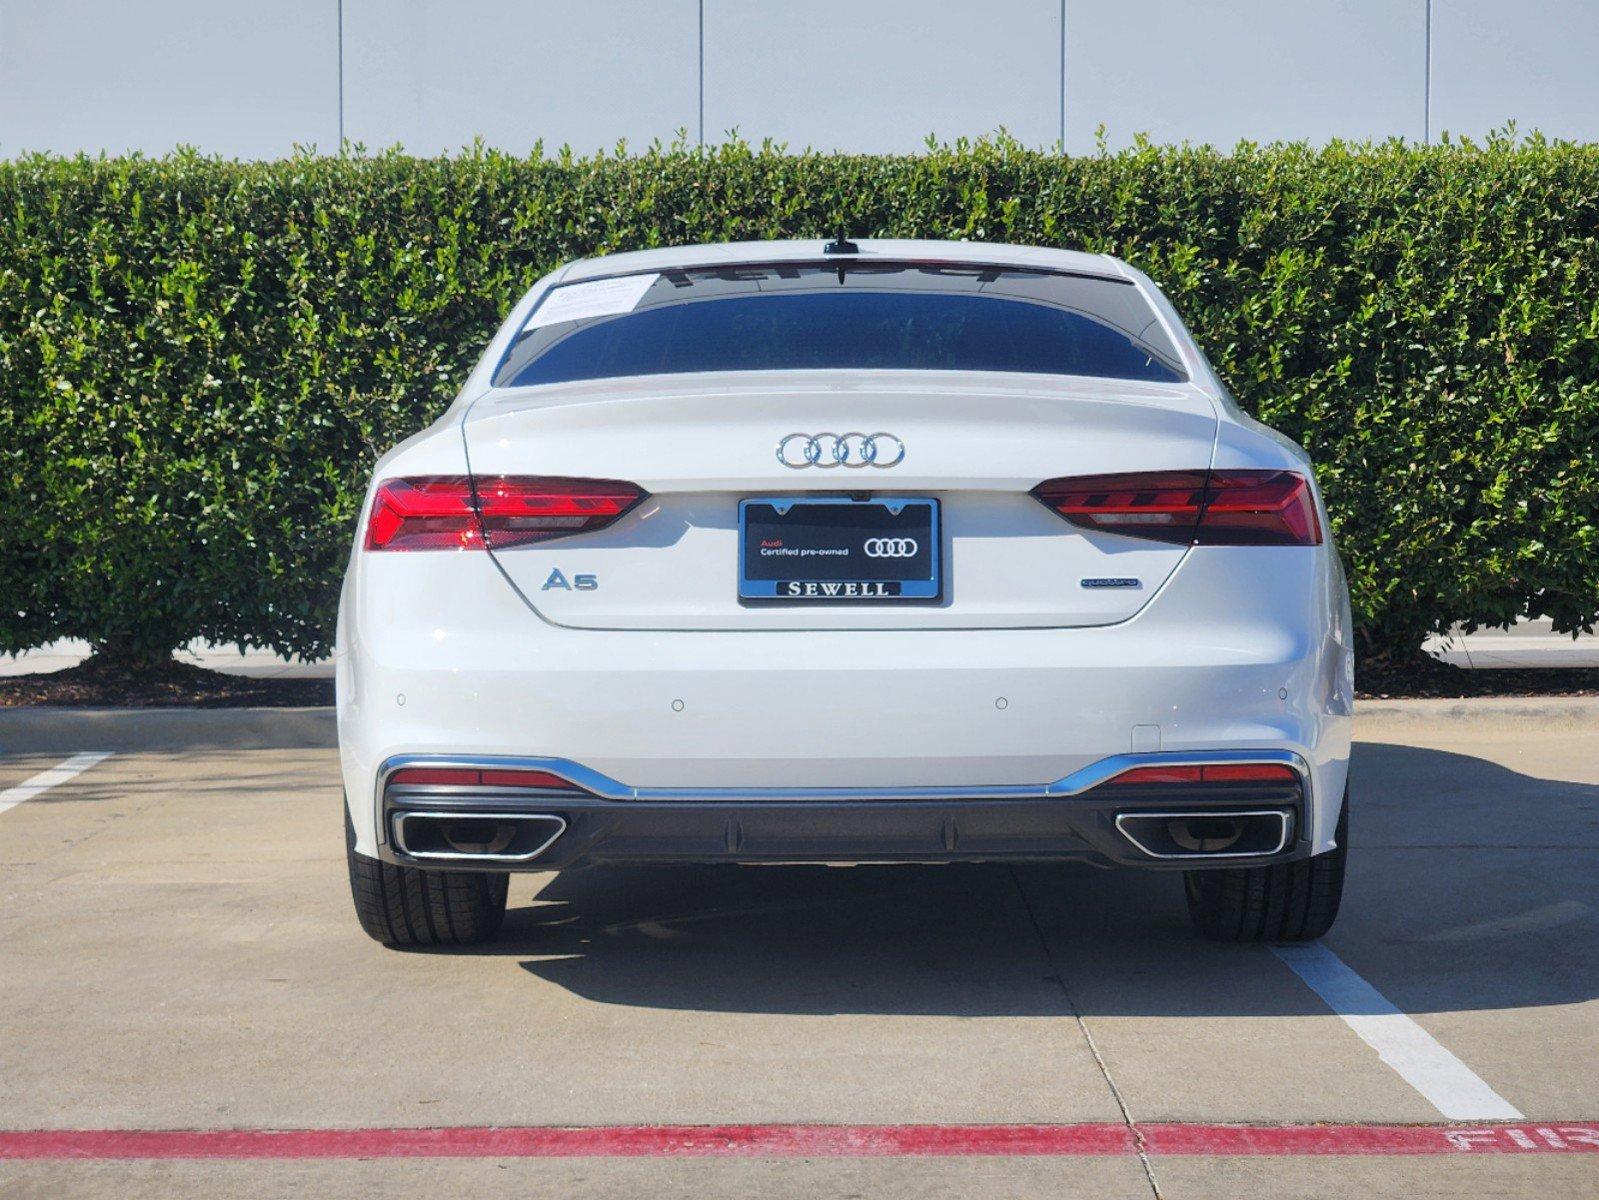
(1139, 1145)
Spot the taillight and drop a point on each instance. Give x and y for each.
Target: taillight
(1217, 508)
(1212, 773)
(1258, 508)
(1163, 505)
(446, 512)
(432, 513)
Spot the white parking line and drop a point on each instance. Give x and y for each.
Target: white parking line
(67, 768)
(1448, 1084)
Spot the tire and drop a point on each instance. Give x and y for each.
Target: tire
(403, 906)
(1289, 902)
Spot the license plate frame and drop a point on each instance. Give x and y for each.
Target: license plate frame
(894, 574)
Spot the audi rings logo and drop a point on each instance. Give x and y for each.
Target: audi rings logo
(891, 547)
(829, 450)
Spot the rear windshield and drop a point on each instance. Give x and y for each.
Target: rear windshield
(857, 315)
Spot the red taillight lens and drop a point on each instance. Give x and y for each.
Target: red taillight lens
(1215, 773)
(1163, 505)
(444, 512)
(1259, 508)
(1219, 508)
(429, 513)
(471, 777)
(517, 510)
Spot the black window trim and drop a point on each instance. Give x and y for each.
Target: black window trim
(822, 263)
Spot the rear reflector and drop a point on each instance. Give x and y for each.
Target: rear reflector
(1215, 773)
(441, 776)
(446, 512)
(1220, 508)
(1248, 773)
(526, 779)
(470, 777)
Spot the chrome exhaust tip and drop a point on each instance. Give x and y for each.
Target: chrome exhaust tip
(477, 835)
(443, 836)
(1207, 834)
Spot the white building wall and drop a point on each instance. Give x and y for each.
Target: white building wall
(434, 74)
(240, 77)
(255, 79)
(1536, 61)
(1262, 70)
(879, 76)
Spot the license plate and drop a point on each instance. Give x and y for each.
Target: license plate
(834, 550)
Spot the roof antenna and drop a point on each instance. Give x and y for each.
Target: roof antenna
(842, 244)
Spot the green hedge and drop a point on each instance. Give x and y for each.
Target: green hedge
(201, 359)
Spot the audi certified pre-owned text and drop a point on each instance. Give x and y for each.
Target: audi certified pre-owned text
(848, 552)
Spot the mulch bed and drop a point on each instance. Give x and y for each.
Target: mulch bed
(178, 684)
(1430, 678)
(163, 685)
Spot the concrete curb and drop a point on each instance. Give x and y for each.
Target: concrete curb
(44, 729)
(1527, 713)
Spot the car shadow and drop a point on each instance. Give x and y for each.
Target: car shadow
(1471, 886)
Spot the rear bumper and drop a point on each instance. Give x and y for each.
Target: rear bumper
(1226, 659)
(1078, 817)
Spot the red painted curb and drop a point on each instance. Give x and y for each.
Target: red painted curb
(1242, 1140)
(799, 1141)
(689, 1141)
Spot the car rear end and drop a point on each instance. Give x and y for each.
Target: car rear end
(838, 607)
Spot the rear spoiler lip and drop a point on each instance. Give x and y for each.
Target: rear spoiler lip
(975, 383)
(832, 261)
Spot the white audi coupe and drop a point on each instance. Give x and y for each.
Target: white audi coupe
(888, 551)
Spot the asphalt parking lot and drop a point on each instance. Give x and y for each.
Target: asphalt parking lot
(178, 954)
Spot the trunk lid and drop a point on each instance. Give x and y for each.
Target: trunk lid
(701, 444)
